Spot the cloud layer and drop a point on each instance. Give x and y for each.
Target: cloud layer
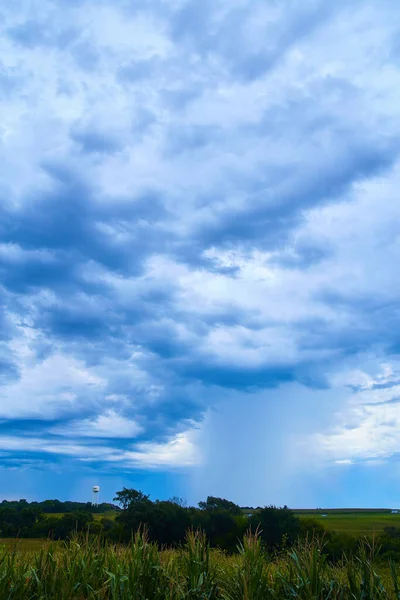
(198, 208)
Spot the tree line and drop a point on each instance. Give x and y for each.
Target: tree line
(58, 506)
(167, 523)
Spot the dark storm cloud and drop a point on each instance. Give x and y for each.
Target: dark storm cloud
(69, 220)
(269, 215)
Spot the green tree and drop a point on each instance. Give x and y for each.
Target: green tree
(70, 522)
(169, 523)
(277, 526)
(222, 528)
(129, 496)
(17, 519)
(213, 503)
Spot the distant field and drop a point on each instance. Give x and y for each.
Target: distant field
(109, 514)
(357, 522)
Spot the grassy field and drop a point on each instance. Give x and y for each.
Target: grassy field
(357, 523)
(109, 514)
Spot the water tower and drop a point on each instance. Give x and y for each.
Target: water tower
(95, 495)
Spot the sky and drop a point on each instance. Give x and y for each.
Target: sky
(199, 249)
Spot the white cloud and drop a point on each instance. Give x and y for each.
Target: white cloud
(289, 311)
(70, 449)
(49, 387)
(179, 451)
(107, 425)
(368, 427)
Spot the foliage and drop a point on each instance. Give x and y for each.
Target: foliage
(57, 506)
(129, 497)
(168, 521)
(213, 503)
(334, 544)
(199, 574)
(278, 526)
(222, 521)
(15, 522)
(88, 568)
(250, 575)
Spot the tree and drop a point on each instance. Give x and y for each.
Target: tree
(127, 497)
(136, 515)
(15, 520)
(178, 501)
(137, 511)
(70, 522)
(213, 503)
(169, 523)
(277, 526)
(222, 528)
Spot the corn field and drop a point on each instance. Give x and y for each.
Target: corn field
(87, 568)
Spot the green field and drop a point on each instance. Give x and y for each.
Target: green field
(109, 514)
(356, 523)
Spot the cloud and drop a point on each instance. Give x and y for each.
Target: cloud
(46, 389)
(108, 425)
(39, 446)
(32, 34)
(177, 452)
(199, 207)
(368, 429)
(180, 451)
(93, 141)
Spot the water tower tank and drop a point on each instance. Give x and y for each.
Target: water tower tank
(96, 489)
